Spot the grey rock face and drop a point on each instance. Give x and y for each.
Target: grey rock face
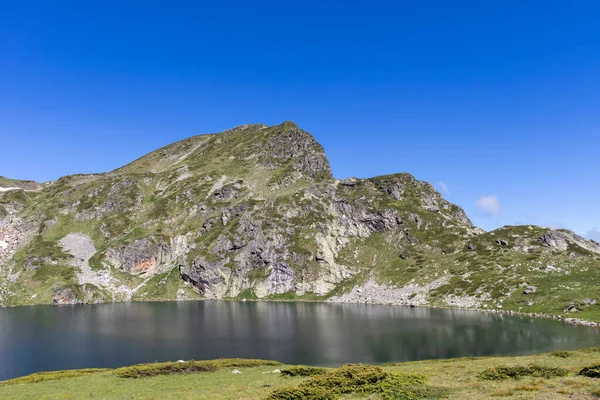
(63, 296)
(227, 192)
(416, 219)
(282, 277)
(460, 215)
(140, 257)
(204, 275)
(588, 245)
(292, 142)
(360, 222)
(560, 240)
(396, 190)
(429, 203)
(555, 240)
(349, 182)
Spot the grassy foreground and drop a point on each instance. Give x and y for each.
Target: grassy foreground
(545, 376)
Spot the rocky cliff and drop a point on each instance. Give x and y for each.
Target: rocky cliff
(255, 213)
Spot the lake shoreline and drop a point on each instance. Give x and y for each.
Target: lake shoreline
(564, 319)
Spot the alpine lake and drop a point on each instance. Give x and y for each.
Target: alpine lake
(44, 338)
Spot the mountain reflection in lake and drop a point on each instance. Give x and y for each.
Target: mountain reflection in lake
(42, 338)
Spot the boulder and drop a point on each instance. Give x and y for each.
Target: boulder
(571, 309)
(529, 290)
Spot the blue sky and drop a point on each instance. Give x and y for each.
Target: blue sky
(496, 103)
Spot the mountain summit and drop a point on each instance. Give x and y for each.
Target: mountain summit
(255, 213)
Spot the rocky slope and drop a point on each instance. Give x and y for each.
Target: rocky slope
(254, 212)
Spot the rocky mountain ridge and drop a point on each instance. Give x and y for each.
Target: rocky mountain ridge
(255, 213)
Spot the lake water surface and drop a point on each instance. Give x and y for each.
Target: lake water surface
(41, 338)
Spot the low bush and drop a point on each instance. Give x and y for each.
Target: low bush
(592, 371)
(53, 375)
(518, 372)
(591, 350)
(348, 378)
(302, 393)
(182, 367)
(303, 371)
(561, 354)
(164, 368)
(359, 379)
(242, 363)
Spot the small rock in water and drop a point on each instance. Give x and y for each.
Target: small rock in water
(235, 371)
(180, 361)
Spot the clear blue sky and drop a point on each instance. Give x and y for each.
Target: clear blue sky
(499, 100)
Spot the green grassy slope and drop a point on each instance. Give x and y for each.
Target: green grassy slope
(464, 378)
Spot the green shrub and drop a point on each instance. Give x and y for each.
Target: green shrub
(164, 368)
(359, 379)
(303, 371)
(400, 386)
(518, 372)
(561, 354)
(302, 393)
(539, 371)
(53, 375)
(182, 367)
(349, 378)
(591, 371)
(591, 350)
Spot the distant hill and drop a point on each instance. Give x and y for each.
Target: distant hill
(6, 183)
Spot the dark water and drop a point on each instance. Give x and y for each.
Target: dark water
(48, 338)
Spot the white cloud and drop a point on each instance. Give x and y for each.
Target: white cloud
(443, 187)
(489, 204)
(594, 234)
